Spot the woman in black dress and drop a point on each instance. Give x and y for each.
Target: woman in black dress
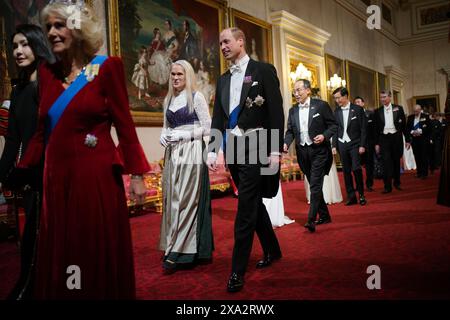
(29, 50)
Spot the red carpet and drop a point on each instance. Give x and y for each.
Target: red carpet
(405, 233)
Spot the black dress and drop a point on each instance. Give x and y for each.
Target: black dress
(22, 123)
(443, 197)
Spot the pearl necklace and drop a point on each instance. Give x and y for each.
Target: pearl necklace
(66, 79)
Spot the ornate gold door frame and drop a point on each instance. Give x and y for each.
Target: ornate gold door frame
(298, 41)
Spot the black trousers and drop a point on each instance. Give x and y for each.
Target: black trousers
(435, 152)
(313, 160)
(369, 157)
(351, 163)
(391, 146)
(24, 286)
(251, 216)
(421, 149)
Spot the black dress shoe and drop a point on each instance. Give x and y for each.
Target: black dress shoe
(362, 200)
(311, 226)
(267, 260)
(235, 283)
(351, 202)
(398, 188)
(323, 221)
(386, 191)
(169, 267)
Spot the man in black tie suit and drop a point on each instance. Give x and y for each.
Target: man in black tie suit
(311, 123)
(419, 127)
(351, 142)
(368, 157)
(390, 127)
(436, 140)
(249, 108)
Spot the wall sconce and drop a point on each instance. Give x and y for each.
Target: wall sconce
(335, 82)
(301, 73)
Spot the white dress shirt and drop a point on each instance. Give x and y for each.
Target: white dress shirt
(303, 120)
(416, 121)
(389, 126)
(237, 80)
(345, 111)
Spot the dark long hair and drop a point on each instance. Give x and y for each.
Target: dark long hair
(38, 44)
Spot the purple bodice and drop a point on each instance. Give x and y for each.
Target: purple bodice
(180, 117)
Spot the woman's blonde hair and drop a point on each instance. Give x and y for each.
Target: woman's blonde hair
(89, 33)
(191, 85)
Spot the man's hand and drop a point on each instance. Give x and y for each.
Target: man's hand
(377, 149)
(285, 148)
(333, 150)
(319, 139)
(362, 150)
(274, 162)
(211, 162)
(137, 189)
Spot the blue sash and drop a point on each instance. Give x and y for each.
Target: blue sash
(58, 107)
(417, 126)
(232, 122)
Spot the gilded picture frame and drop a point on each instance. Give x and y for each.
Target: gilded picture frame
(258, 34)
(362, 81)
(139, 32)
(429, 103)
(333, 65)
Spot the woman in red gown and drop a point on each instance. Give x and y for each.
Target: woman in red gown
(84, 242)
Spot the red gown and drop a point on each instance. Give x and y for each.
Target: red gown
(84, 219)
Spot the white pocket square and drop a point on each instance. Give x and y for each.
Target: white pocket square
(353, 118)
(316, 115)
(255, 83)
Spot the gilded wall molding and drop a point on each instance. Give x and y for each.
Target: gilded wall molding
(301, 41)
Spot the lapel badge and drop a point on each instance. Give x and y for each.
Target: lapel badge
(90, 141)
(248, 79)
(92, 71)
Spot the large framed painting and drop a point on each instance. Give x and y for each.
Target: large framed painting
(150, 34)
(429, 103)
(333, 65)
(258, 34)
(430, 16)
(382, 83)
(362, 81)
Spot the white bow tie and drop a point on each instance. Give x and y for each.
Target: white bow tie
(235, 68)
(304, 105)
(345, 108)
